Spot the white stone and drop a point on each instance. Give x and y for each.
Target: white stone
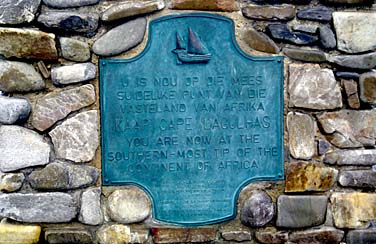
(91, 213)
(13, 110)
(75, 73)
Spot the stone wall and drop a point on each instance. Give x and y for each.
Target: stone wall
(50, 186)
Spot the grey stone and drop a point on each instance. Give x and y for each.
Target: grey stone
(69, 3)
(43, 69)
(327, 38)
(10, 182)
(121, 38)
(128, 206)
(362, 61)
(271, 236)
(17, 12)
(76, 139)
(313, 88)
(358, 178)
(347, 75)
(69, 74)
(350, 128)
(63, 176)
(21, 148)
(367, 84)
(68, 236)
(69, 21)
(27, 43)
(355, 31)
(322, 147)
(13, 110)
(259, 41)
(361, 236)
(351, 89)
(310, 29)
(91, 212)
(324, 235)
(19, 77)
(38, 207)
(57, 105)
(351, 157)
(301, 211)
(281, 32)
(257, 210)
(265, 12)
(305, 55)
(74, 50)
(301, 129)
(320, 13)
(131, 8)
(237, 235)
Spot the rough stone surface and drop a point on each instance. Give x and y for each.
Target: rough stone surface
(324, 235)
(320, 13)
(313, 88)
(361, 236)
(327, 38)
(355, 31)
(306, 55)
(367, 84)
(129, 205)
(208, 5)
(281, 32)
(358, 178)
(353, 210)
(258, 210)
(348, 2)
(75, 73)
(19, 77)
(121, 38)
(304, 176)
(271, 236)
(237, 235)
(131, 8)
(19, 234)
(63, 176)
(17, 12)
(14, 110)
(90, 212)
(69, 21)
(301, 211)
(183, 235)
(57, 105)
(311, 29)
(74, 50)
(362, 61)
(350, 128)
(21, 148)
(351, 157)
(43, 69)
(38, 207)
(322, 147)
(10, 182)
(120, 234)
(301, 128)
(259, 41)
(69, 3)
(76, 139)
(27, 43)
(265, 12)
(351, 89)
(68, 236)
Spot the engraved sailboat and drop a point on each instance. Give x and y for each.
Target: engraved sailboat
(195, 52)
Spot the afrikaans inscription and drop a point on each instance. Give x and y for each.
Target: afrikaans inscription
(192, 119)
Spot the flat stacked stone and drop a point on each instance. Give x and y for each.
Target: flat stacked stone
(19, 234)
(18, 12)
(69, 3)
(74, 50)
(281, 32)
(264, 12)
(131, 8)
(361, 236)
(270, 235)
(317, 236)
(259, 41)
(361, 61)
(183, 235)
(208, 5)
(306, 55)
(321, 14)
(68, 235)
(237, 235)
(70, 74)
(358, 178)
(10, 182)
(27, 43)
(351, 157)
(14, 110)
(306, 28)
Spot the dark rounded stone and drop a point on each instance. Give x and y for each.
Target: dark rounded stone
(282, 33)
(321, 14)
(257, 210)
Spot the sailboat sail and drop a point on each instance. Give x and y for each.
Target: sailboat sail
(194, 44)
(179, 41)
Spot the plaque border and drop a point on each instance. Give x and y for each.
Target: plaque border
(102, 65)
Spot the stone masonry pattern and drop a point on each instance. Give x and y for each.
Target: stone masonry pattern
(50, 164)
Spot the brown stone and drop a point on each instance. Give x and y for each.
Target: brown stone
(171, 235)
(264, 12)
(68, 235)
(351, 89)
(367, 84)
(353, 210)
(271, 236)
(304, 176)
(208, 5)
(259, 41)
(325, 235)
(26, 43)
(237, 235)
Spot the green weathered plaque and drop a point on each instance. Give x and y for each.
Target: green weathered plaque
(192, 119)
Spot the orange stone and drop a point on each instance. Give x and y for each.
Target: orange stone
(208, 5)
(171, 235)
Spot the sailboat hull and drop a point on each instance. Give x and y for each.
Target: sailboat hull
(193, 58)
